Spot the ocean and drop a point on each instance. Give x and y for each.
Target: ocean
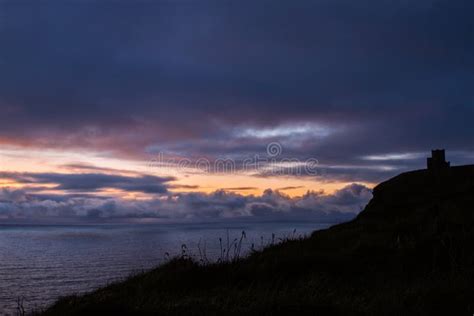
(39, 264)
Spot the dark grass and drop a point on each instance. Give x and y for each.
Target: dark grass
(408, 256)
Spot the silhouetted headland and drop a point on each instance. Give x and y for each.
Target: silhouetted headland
(409, 252)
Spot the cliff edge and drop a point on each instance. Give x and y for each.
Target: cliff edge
(409, 252)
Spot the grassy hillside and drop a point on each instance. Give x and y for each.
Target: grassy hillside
(409, 252)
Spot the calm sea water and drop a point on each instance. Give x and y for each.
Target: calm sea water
(42, 263)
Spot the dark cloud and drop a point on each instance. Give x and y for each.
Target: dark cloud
(82, 167)
(290, 188)
(184, 186)
(90, 182)
(138, 77)
(240, 189)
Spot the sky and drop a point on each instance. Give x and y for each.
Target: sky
(208, 110)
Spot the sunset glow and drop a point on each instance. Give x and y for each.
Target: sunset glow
(178, 111)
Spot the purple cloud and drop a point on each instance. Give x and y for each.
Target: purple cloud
(272, 205)
(142, 77)
(90, 182)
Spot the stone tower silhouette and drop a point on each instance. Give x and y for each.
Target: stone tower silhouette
(437, 161)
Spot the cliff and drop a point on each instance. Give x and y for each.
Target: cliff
(408, 252)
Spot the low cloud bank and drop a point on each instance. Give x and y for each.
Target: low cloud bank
(272, 205)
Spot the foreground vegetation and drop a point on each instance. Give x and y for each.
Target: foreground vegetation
(408, 252)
